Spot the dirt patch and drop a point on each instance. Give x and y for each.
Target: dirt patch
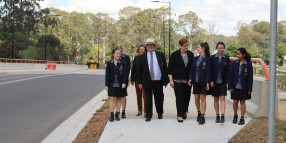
(282, 110)
(91, 133)
(257, 131)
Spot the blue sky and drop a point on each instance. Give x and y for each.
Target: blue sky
(224, 13)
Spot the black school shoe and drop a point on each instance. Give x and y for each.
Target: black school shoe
(241, 122)
(111, 118)
(217, 119)
(148, 119)
(123, 115)
(198, 117)
(160, 116)
(222, 119)
(235, 117)
(117, 116)
(202, 120)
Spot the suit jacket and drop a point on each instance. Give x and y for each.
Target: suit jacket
(246, 76)
(176, 66)
(224, 66)
(204, 70)
(143, 74)
(134, 68)
(120, 70)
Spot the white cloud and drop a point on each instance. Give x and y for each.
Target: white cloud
(46, 3)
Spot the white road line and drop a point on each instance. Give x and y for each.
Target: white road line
(29, 79)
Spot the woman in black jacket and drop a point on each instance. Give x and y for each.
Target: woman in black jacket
(140, 92)
(179, 68)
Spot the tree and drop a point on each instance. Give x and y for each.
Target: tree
(231, 49)
(53, 45)
(245, 34)
(281, 50)
(189, 23)
(212, 31)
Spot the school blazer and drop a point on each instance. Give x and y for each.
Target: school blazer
(176, 66)
(224, 66)
(120, 70)
(143, 74)
(126, 60)
(246, 77)
(134, 68)
(204, 70)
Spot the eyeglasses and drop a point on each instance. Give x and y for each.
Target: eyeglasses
(186, 45)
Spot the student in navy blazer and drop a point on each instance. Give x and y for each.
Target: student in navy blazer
(241, 82)
(116, 79)
(134, 81)
(220, 66)
(199, 77)
(126, 60)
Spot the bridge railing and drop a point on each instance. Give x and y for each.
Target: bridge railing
(8, 60)
(259, 61)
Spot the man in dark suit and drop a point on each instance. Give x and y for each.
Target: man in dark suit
(152, 76)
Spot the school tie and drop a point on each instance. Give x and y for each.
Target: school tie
(151, 67)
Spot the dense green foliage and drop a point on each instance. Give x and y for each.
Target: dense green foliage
(77, 36)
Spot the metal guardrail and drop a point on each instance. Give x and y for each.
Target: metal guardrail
(261, 62)
(8, 60)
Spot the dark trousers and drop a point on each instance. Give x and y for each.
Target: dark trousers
(183, 96)
(157, 90)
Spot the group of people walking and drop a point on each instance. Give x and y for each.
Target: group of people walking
(206, 74)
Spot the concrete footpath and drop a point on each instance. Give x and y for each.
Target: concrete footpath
(134, 129)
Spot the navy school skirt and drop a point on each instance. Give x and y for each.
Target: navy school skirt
(219, 90)
(239, 94)
(117, 92)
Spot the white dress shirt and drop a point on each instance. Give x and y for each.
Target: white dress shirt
(157, 71)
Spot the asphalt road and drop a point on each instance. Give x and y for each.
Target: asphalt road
(33, 105)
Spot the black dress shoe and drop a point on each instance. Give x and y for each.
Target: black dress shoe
(217, 119)
(160, 116)
(241, 122)
(202, 120)
(123, 115)
(148, 119)
(117, 116)
(185, 115)
(235, 119)
(222, 119)
(198, 117)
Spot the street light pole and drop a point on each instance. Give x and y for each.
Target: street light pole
(13, 26)
(272, 70)
(164, 36)
(46, 27)
(169, 29)
(169, 24)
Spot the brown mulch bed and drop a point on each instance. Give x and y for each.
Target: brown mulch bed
(257, 131)
(91, 133)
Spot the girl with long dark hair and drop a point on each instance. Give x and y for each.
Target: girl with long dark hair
(241, 82)
(199, 77)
